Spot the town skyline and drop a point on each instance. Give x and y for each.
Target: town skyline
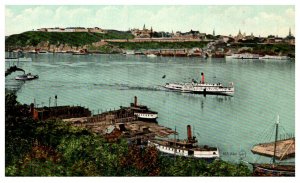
(223, 20)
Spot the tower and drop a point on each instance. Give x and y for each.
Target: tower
(290, 32)
(151, 32)
(214, 32)
(144, 27)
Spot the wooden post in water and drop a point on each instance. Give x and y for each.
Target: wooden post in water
(55, 100)
(49, 101)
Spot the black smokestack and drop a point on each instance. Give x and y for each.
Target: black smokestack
(135, 101)
(189, 132)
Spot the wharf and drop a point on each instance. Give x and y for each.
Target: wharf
(130, 128)
(284, 149)
(122, 123)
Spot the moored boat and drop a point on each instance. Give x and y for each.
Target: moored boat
(25, 77)
(274, 57)
(186, 148)
(274, 168)
(174, 86)
(243, 56)
(143, 112)
(129, 52)
(151, 55)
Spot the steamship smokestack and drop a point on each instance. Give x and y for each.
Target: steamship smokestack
(135, 101)
(202, 80)
(189, 132)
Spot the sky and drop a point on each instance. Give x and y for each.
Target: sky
(260, 20)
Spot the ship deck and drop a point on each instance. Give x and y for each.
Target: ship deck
(181, 144)
(284, 149)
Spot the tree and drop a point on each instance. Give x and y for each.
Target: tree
(19, 129)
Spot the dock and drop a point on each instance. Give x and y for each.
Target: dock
(132, 129)
(121, 123)
(284, 149)
(112, 125)
(129, 129)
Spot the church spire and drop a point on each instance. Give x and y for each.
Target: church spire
(290, 32)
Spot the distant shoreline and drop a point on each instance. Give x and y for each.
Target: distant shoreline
(81, 43)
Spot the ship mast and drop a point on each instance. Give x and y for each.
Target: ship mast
(175, 145)
(276, 135)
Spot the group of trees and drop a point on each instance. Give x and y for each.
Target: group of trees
(56, 148)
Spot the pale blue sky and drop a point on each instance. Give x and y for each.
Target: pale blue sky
(259, 20)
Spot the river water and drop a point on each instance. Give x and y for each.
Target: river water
(263, 89)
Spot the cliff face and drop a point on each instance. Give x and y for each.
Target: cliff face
(46, 46)
(101, 47)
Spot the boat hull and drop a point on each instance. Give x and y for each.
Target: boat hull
(274, 57)
(151, 56)
(273, 170)
(243, 56)
(26, 77)
(217, 90)
(173, 86)
(201, 154)
(146, 116)
(201, 87)
(180, 87)
(211, 92)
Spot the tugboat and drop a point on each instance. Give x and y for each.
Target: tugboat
(186, 148)
(25, 77)
(143, 112)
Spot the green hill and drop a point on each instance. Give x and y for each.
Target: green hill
(33, 38)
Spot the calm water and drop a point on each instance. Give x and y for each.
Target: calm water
(263, 89)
